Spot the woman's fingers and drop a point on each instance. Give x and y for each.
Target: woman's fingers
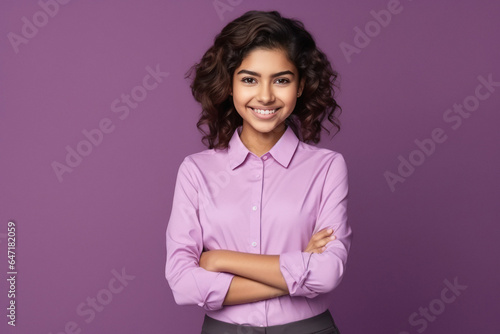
(322, 238)
(322, 234)
(318, 241)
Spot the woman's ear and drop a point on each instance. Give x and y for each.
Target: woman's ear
(301, 87)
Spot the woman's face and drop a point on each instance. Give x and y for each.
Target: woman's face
(265, 90)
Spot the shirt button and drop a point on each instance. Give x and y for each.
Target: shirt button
(254, 207)
(264, 157)
(254, 244)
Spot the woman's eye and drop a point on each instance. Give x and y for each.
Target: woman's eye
(282, 81)
(248, 80)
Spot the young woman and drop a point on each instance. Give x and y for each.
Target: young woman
(258, 234)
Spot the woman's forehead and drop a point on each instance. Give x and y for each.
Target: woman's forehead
(266, 61)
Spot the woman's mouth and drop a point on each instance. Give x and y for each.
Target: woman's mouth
(264, 113)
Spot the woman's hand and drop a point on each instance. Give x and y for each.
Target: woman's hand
(319, 240)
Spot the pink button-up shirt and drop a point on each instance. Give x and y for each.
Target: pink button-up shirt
(232, 199)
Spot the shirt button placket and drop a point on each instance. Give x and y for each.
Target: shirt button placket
(261, 191)
(256, 186)
(256, 206)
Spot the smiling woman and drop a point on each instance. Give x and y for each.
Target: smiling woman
(213, 76)
(258, 232)
(264, 98)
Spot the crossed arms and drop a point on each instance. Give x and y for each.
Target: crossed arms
(257, 277)
(220, 277)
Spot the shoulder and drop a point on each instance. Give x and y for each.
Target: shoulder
(323, 161)
(329, 165)
(204, 159)
(320, 154)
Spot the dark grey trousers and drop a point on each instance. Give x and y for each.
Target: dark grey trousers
(320, 324)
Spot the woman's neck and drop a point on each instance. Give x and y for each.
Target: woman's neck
(260, 143)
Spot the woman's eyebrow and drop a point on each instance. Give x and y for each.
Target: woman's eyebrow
(273, 75)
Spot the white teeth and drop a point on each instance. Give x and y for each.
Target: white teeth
(265, 112)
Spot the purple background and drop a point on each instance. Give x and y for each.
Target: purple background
(112, 210)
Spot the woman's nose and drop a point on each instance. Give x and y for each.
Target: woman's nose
(265, 94)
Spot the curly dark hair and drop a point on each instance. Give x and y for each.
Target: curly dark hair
(212, 83)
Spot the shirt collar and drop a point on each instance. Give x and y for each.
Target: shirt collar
(282, 151)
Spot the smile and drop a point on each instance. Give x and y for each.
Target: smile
(265, 111)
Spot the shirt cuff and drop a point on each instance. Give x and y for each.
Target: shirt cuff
(215, 290)
(294, 266)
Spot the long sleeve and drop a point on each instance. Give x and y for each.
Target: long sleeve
(311, 274)
(190, 283)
